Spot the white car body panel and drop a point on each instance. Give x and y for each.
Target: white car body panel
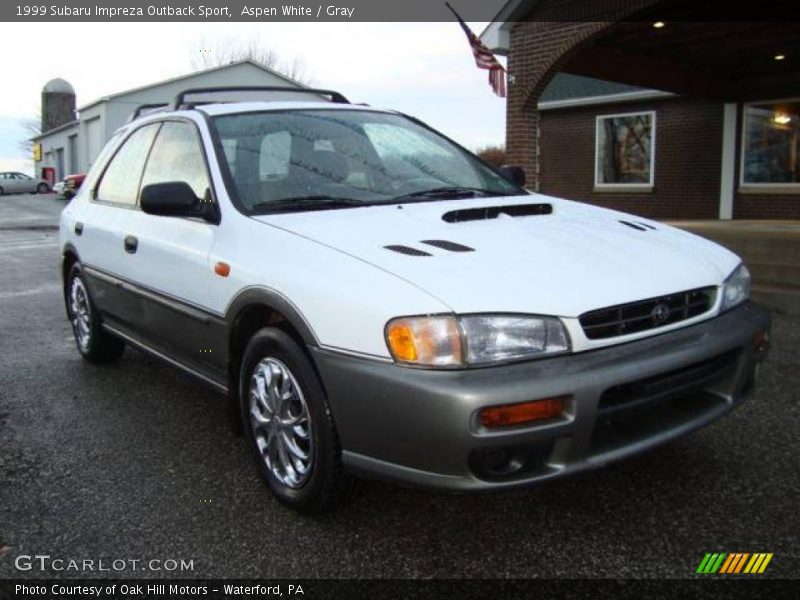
(345, 301)
(183, 244)
(575, 260)
(544, 264)
(101, 242)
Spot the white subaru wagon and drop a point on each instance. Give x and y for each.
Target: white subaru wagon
(375, 301)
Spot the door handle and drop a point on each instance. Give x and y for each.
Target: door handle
(78, 228)
(131, 244)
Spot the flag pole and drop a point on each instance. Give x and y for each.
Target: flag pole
(484, 58)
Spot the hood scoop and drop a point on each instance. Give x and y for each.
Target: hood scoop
(638, 225)
(492, 212)
(448, 245)
(441, 244)
(408, 250)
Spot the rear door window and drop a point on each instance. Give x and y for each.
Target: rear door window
(120, 182)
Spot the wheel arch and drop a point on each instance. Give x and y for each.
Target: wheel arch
(255, 308)
(69, 258)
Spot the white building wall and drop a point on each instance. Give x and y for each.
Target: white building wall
(51, 145)
(90, 118)
(99, 121)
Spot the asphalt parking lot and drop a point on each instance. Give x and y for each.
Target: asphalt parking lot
(136, 461)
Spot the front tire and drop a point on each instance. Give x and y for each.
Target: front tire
(94, 343)
(42, 188)
(289, 425)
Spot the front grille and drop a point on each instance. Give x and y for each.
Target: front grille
(643, 315)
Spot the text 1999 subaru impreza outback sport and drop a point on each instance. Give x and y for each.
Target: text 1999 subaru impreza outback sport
(376, 301)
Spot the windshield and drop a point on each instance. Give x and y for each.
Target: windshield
(285, 161)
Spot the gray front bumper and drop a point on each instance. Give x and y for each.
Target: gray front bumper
(420, 426)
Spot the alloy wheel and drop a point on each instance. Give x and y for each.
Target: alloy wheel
(280, 422)
(80, 313)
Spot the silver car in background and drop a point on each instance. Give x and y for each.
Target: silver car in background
(12, 182)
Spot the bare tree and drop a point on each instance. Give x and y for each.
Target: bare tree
(296, 69)
(32, 127)
(494, 155)
(206, 55)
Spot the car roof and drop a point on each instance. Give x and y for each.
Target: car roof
(230, 108)
(226, 108)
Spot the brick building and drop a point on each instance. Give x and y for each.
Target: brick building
(652, 107)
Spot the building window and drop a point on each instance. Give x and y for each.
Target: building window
(770, 144)
(625, 151)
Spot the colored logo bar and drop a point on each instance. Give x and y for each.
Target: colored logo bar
(734, 563)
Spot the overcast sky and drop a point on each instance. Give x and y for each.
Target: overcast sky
(425, 69)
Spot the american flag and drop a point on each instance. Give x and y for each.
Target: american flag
(484, 59)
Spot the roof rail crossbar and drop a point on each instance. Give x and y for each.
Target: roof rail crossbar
(179, 101)
(143, 107)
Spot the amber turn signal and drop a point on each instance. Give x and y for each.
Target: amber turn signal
(761, 344)
(524, 412)
(401, 341)
(222, 269)
(431, 341)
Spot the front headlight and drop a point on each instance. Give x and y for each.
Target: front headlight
(448, 341)
(736, 288)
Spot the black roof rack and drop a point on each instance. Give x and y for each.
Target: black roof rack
(143, 107)
(179, 101)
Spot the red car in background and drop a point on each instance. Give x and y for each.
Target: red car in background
(72, 183)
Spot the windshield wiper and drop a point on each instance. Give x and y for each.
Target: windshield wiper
(448, 193)
(306, 203)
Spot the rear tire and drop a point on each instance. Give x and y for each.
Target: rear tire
(42, 188)
(94, 343)
(289, 425)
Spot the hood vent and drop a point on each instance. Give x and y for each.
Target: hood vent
(492, 212)
(638, 225)
(447, 245)
(407, 250)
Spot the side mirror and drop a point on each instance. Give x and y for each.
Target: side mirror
(176, 199)
(513, 174)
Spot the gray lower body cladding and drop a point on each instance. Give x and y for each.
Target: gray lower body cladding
(421, 427)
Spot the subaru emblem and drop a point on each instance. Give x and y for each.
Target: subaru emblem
(659, 314)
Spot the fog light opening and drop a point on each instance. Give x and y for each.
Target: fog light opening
(761, 344)
(496, 462)
(524, 412)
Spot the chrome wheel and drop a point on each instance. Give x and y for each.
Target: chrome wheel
(80, 313)
(280, 423)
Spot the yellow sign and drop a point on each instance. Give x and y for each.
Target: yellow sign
(37, 152)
